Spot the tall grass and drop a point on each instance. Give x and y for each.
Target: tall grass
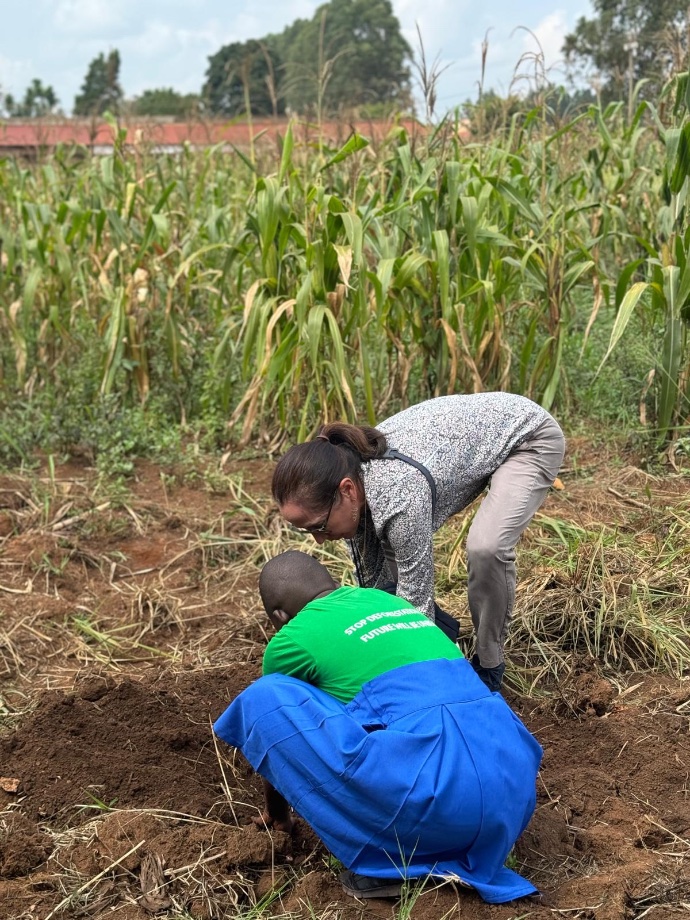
(281, 289)
(667, 268)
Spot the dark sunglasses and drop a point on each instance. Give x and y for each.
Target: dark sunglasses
(323, 526)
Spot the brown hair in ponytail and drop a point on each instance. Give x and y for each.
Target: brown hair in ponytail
(309, 473)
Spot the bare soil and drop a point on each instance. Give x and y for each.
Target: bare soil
(128, 624)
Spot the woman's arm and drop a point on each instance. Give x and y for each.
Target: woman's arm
(410, 535)
(401, 515)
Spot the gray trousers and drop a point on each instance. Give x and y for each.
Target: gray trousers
(518, 488)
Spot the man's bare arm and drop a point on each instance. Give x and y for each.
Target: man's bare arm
(276, 813)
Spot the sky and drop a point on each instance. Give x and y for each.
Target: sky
(167, 42)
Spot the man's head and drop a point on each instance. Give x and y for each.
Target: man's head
(289, 582)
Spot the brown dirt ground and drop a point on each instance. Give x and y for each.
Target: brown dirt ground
(126, 629)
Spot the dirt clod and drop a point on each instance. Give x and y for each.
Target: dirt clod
(23, 847)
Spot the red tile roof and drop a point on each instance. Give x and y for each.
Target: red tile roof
(16, 135)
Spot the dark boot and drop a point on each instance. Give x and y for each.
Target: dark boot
(492, 677)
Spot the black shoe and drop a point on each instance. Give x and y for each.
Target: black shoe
(492, 677)
(363, 886)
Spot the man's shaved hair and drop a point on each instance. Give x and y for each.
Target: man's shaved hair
(292, 580)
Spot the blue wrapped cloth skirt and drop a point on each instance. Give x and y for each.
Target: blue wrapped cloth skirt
(425, 773)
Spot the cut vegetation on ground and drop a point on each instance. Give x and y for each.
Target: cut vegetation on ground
(127, 625)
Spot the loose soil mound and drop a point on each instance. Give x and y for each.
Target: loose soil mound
(123, 743)
(116, 802)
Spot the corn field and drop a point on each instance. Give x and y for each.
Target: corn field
(278, 288)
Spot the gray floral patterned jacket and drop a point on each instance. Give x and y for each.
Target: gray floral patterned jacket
(461, 440)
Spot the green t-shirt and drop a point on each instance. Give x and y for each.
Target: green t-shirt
(341, 641)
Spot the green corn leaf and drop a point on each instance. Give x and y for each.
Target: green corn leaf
(470, 220)
(313, 332)
(31, 287)
(681, 160)
(551, 389)
(671, 351)
(118, 229)
(527, 352)
(114, 341)
(286, 153)
(452, 170)
(130, 197)
(245, 159)
(625, 312)
(515, 197)
(108, 171)
(354, 143)
(442, 246)
(408, 268)
(355, 235)
(573, 274)
(338, 359)
(384, 273)
(367, 378)
(624, 279)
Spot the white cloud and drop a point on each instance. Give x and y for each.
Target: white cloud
(550, 34)
(537, 52)
(159, 38)
(438, 22)
(514, 58)
(89, 16)
(165, 55)
(260, 19)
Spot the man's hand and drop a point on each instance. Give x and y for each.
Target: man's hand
(265, 822)
(276, 814)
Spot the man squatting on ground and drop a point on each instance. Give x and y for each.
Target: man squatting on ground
(372, 725)
(388, 489)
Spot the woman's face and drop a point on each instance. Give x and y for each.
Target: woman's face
(336, 522)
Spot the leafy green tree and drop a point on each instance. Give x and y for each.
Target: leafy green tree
(101, 91)
(630, 40)
(165, 102)
(351, 53)
(39, 100)
(492, 113)
(7, 104)
(245, 74)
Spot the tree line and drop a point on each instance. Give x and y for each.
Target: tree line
(350, 52)
(353, 53)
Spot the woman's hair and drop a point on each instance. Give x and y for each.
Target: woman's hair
(309, 473)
